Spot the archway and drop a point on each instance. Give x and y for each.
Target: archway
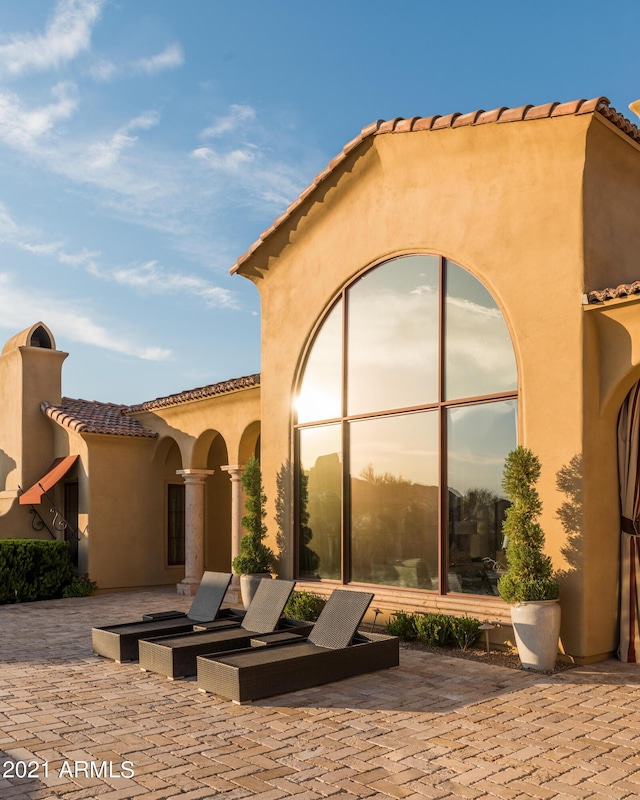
(211, 454)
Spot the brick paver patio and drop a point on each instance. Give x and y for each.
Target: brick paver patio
(434, 727)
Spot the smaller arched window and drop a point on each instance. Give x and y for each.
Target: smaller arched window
(40, 338)
(406, 411)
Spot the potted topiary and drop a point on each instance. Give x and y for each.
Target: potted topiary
(255, 560)
(529, 585)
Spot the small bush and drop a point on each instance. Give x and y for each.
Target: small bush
(304, 605)
(464, 631)
(255, 556)
(80, 586)
(33, 569)
(433, 628)
(401, 625)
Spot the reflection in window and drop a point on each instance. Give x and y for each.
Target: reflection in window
(479, 354)
(479, 437)
(320, 502)
(321, 391)
(394, 500)
(418, 352)
(392, 305)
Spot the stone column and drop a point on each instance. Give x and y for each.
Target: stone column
(194, 483)
(237, 511)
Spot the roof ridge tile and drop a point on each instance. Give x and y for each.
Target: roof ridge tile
(467, 119)
(200, 393)
(514, 114)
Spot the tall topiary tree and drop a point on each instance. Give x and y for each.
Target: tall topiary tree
(255, 556)
(530, 575)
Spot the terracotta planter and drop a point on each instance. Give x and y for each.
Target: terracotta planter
(536, 625)
(249, 585)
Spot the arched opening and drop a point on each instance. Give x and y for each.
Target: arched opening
(406, 409)
(40, 338)
(249, 442)
(168, 510)
(217, 539)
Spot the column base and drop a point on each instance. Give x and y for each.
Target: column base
(232, 597)
(187, 589)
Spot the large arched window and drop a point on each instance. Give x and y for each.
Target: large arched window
(406, 410)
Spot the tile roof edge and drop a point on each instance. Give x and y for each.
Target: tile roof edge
(601, 105)
(67, 420)
(200, 393)
(612, 293)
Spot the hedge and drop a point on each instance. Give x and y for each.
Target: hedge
(434, 629)
(33, 569)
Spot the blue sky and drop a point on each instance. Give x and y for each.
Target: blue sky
(145, 145)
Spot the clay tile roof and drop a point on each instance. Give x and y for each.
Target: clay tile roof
(491, 116)
(90, 416)
(600, 105)
(213, 389)
(624, 290)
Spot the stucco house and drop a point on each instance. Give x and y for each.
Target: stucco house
(447, 288)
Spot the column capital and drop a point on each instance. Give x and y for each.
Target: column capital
(235, 470)
(194, 475)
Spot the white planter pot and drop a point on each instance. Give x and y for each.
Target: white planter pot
(536, 625)
(249, 586)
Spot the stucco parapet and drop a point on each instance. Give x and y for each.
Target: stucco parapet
(211, 390)
(399, 125)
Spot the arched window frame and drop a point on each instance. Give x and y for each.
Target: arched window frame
(441, 406)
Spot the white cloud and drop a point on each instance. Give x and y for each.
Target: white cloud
(103, 70)
(170, 58)
(226, 162)
(20, 308)
(68, 33)
(151, 277)
(270, 182)
(104, 155)
(30, 240)
(237, 116)
(22, 128)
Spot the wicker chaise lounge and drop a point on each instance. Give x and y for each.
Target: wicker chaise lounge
(332, 651)
(120, 642)
(175, 656)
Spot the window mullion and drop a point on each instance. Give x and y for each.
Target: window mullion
(346, 461)
(443, 500)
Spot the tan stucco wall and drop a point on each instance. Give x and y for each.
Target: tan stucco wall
(611, 359)
(126, 533)
(505, 202)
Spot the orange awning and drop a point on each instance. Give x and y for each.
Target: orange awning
(56, 472)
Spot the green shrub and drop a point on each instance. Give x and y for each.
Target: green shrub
(33, 569)
(464, 631)
(401, 625)
(255, 556)
(304, 605)
(80, 586)
(530, 575)
(432, 628)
